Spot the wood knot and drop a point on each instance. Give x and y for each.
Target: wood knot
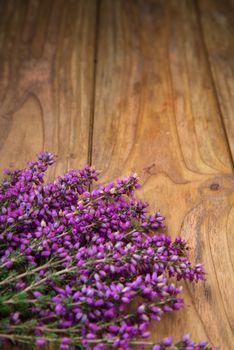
(72, 155)
(149, 168)
(214, 187)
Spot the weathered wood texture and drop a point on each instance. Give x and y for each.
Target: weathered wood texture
(46, 75)
(156, 113)
(153, 103)
(217, 19)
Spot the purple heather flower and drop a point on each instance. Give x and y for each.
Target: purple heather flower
(90, 336)
(186, 338)
(65, 340)
(156, 347)
(15, 317)
(203, 343)
(65, 323)
(9, 264)
(37, 294)
(90, 253)
(40, 342)
(60, 309)
(64, 347)
(167, 341)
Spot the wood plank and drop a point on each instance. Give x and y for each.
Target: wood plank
(217, 19)
(156, 113)
(46, 80)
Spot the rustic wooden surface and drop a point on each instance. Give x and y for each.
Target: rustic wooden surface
(217, 22)
(143, 86)
(46, 80)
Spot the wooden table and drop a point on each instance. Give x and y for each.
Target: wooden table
(135, 86)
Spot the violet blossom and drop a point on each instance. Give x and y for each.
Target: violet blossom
(74, 258)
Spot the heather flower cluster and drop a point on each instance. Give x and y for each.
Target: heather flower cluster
(90, 267)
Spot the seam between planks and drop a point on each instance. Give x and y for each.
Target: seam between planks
(198, 14)
(93, 93)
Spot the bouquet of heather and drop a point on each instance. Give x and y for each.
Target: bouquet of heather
(73, 260)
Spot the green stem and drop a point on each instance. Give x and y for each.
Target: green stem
(30, 272)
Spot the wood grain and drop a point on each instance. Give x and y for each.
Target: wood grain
(156, 113)
(46, 80)
(217, 19)
(153, 104)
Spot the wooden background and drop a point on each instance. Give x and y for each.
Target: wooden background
(135, 85)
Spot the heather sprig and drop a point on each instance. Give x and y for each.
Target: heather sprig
(75, 258)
